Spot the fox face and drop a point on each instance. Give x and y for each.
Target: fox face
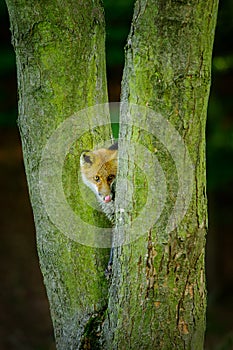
(98, 170)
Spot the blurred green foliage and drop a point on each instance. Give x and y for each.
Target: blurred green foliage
(118, 15)
(8, 92)
(220, 112)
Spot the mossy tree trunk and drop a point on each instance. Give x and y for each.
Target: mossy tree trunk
(60, 55)
(158, 295)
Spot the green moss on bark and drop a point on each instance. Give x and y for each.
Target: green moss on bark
(60, 57)
(158, 296)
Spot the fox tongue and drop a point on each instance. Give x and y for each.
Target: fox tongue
(107, 199)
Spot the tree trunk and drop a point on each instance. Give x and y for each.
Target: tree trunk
(157, 293)
(158, 296)
(61, 70)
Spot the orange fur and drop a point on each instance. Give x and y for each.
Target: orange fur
(99, 170)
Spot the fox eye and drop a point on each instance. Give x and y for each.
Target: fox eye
(97, 178)
(111, 177)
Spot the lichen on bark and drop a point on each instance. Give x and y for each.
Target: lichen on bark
(60, 55)
(158, 296)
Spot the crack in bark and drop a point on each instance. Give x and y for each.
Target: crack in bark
(150, 268)
(93, 331)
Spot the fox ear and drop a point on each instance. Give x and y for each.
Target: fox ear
(114, 146)
(86, 158)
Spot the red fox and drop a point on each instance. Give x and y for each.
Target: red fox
(98, 170)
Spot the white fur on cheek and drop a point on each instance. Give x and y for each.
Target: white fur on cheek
(107, 208)
(89, 184)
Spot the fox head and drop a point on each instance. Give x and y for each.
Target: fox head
(98, 170)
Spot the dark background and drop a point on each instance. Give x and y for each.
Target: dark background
(24, 312)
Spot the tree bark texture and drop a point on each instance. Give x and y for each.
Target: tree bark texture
(158, 295)
(60, 55)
